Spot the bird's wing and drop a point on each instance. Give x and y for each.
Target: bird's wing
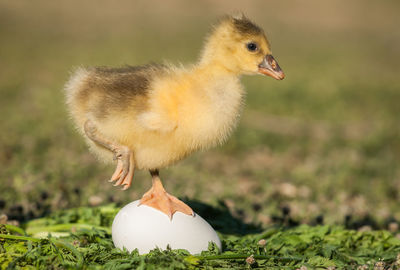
(156, 121)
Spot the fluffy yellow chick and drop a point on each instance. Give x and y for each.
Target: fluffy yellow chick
(148, 117)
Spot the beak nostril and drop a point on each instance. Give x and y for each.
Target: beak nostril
(269, 66)
(272, 62)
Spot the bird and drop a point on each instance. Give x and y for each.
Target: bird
(149, 117)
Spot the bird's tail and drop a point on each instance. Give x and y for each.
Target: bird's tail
(75, 90)
(75, 83)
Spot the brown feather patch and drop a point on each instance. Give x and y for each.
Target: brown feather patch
(117, 88)
(245, 26)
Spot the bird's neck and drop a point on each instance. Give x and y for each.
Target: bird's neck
(215, 69)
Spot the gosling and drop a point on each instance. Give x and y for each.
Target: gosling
(151, 116)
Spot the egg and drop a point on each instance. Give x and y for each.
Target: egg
(145, 228)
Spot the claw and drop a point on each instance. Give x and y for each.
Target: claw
(125, 168)
(116, 175)
(128, 179)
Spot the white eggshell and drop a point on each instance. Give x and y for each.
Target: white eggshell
(146, 228)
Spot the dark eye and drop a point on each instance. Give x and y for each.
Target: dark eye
(252, 46)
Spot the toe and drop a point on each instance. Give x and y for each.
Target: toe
(146, 197)
(118, 171)
(128, 179)
(180, 206)
(124, 171)
(162, 204)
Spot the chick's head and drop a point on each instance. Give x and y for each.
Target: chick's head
(240, 46)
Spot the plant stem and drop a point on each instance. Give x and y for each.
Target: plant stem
(64, 227)
(15, 229)
(244, 256)
(19, 237)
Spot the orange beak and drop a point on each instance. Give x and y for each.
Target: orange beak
(271, 68)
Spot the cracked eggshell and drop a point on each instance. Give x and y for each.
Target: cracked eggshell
(146, 228)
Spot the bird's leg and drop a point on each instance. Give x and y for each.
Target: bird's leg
(125, 163)
(159, 199)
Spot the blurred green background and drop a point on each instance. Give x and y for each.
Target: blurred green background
(323, 143)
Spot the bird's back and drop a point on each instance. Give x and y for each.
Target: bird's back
(98, 92)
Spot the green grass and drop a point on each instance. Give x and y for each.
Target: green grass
(49, 242)
(322, 146)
